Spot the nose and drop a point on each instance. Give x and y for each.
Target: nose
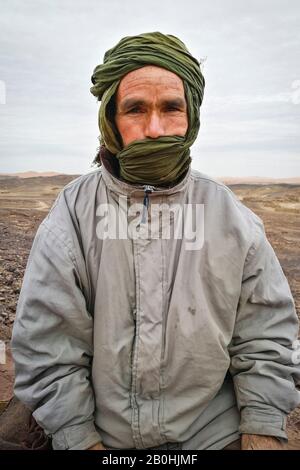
(154, 127)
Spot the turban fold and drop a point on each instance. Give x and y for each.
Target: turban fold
(169, 155)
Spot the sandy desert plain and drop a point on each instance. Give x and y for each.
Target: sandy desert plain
(26, 199)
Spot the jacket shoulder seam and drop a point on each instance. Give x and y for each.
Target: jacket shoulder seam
(80, 179)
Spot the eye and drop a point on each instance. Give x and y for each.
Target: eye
(172, 109)
(135, 110)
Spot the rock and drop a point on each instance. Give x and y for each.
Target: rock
(19, 430)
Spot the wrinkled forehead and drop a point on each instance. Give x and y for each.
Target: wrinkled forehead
(150, 76)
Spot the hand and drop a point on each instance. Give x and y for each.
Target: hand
(258, 442)
(97, 446)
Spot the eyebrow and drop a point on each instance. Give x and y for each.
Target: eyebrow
(129, 103)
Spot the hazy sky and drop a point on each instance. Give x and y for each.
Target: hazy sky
(250, 117)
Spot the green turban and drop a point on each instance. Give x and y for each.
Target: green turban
(153, 161)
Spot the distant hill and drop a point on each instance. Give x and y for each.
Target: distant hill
(32, 174)
(228, 180)
(231, 180)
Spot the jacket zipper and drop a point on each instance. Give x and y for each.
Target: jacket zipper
(147, 189)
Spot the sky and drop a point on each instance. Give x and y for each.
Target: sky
(250, 116)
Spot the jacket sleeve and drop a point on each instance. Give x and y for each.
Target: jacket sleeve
(263, 363)
(52, 344)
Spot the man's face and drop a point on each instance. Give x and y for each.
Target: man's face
(150, 102)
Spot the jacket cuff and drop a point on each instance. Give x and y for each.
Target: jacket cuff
(265, 422)
(77, 437)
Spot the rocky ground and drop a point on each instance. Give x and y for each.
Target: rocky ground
(23, 205)
(25, 202)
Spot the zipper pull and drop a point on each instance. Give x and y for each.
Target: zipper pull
(147, 189)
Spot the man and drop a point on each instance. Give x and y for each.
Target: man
(137, 340)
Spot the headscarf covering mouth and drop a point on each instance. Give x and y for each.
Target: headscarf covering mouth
(170, 155)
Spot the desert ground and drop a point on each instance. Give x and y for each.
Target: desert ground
(25, 201)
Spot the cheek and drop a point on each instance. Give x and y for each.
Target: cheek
(129, 129)
(176, 125)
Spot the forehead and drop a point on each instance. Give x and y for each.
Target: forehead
(150, 77)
